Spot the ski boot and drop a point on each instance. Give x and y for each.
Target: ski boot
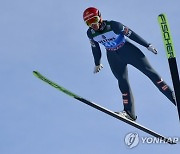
(126, 115)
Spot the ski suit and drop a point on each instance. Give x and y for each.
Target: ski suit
(121, 52)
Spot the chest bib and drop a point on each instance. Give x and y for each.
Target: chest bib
(110, 40)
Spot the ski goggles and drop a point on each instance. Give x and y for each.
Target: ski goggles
(93, 20)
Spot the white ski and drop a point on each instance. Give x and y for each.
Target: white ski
(100, 108)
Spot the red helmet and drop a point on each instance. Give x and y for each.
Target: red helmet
(91, 12)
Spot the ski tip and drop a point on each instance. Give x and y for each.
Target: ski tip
(35, 73)
(162, 14)
(161, 17)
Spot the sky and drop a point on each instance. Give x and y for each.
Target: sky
(50, 36)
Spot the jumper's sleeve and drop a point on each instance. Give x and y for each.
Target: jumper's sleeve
(138, 39)
(96, 51)
(120, 28)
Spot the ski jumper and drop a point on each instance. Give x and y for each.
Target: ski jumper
(121, 52)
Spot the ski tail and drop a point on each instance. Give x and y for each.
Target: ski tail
(171, 55)
(102, 109)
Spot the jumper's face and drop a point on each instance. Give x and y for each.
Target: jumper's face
(94, 22)
(95, 26)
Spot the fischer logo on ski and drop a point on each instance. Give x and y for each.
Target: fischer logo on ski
(166, 36)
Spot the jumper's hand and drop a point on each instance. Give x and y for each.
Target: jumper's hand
(98, 68)
(152, 49)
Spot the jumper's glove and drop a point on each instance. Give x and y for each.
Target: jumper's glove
(98, 68)
(152, 49)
